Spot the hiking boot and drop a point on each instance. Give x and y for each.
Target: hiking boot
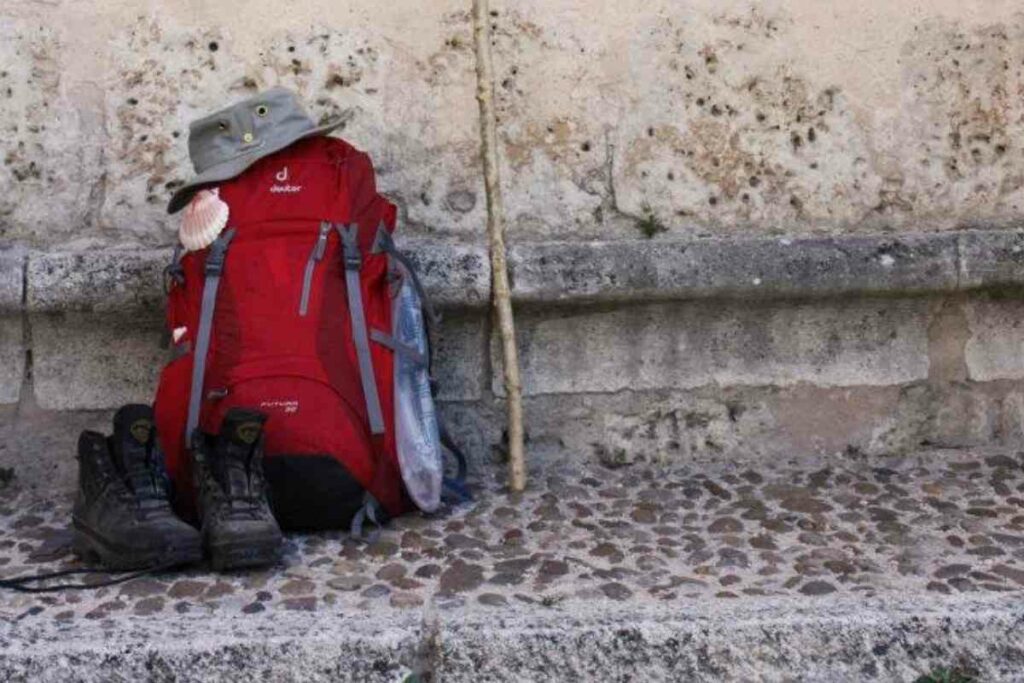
(238, 528)
(122, 515)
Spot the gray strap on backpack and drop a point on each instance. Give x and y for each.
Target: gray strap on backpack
(213, 269)
(371, 510)
(399, 348)
(319, 247)
(353, 263)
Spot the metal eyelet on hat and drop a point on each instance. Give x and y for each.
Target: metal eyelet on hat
(262, 110)
(247, 137)
(222, 125)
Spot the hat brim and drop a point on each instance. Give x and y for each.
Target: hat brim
(229, 169)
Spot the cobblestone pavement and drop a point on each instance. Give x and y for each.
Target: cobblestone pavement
(943, 522)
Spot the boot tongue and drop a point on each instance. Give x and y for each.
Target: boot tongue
(235, 472)
(239, 435)
(133, 435)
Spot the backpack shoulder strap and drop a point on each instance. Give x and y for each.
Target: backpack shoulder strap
(213, 269)
(353, 263)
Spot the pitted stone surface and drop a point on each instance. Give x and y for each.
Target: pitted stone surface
(385, 83)
(715, 123)
(49, 162)
(720, 121)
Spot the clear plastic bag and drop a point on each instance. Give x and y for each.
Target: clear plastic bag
(416, 429)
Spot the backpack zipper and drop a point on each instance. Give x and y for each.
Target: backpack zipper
(315, 257)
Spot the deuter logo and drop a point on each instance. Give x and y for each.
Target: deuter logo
(282, 178)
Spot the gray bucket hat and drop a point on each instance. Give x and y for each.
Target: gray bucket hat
(227, 142)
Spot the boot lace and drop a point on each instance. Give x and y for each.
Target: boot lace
(236, 504)
(144, 486)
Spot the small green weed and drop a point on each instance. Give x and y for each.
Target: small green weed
(649, 224)
(945, 675)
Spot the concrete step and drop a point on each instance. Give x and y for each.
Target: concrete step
(838, 569)
(827, 639)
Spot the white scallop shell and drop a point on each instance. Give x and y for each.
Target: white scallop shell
(203, 219)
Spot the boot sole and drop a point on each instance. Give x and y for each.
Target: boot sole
(244, 554)
(91, 547)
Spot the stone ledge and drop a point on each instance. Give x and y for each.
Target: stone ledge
(777, 268)
(458, 276)
(991, 258)
(98, 281)
(128, 280)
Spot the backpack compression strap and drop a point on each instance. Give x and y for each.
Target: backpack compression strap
(213, 269)
(454, 489)
(370, 511)
(353, 263)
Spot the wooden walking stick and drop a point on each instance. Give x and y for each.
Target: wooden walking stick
(496, 233)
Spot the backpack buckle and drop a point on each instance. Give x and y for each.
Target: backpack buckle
(218, 251)
(214, 263)
(353, 259)
(351, 256)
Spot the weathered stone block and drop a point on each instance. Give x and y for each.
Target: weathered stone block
(454, 275)
(49, 164)
(100, 280)
(12, 357)
(459, 359)
(91, 361)
(691, 344)
(991, 258)
(12, 278)
(995, 349)
(714, 124)
(739, 268)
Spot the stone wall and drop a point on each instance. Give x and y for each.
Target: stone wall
(617, 119)
(738, 229)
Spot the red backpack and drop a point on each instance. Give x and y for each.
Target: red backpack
(290, 312)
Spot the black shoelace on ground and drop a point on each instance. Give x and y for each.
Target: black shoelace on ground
(27, 583)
